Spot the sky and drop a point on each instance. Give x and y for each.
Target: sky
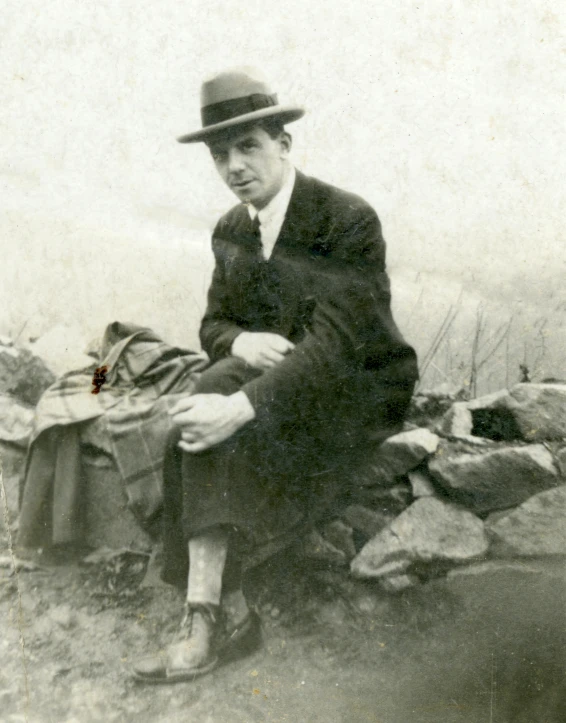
(448, 117)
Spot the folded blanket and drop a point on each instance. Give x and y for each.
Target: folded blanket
(137, 378)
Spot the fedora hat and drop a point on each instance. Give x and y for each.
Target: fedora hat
(234, 97)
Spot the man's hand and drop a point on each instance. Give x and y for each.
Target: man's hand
(208, 419)
(261, 349)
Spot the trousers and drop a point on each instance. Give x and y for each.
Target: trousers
(265, 483)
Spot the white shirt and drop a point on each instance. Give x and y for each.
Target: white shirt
(271, 217)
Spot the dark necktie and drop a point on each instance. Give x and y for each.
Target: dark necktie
(256, 234)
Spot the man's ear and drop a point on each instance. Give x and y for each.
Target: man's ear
(286, 143)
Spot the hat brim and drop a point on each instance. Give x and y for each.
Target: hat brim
(287, 113)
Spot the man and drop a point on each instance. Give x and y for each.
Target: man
(306, 365)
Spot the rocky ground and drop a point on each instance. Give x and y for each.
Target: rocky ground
(484, 644)
(435, 594)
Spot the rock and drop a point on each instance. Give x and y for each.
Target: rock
(332, 614)
(341, 537)
(12, 460)
(486, 416)
(385, 500)
(491, 567)
(421, 484)
(537, 527)
(497, 424)
(16, 421)
(425, 411)
(384, 555)
(23, 374)
(399, 454)
(457, 421)
(497, 400)
(398, 583)
(494, 477)
(539, 410)
(315, 547)
(369, 522)
(429, 530)
(365, 604)
(446, 390)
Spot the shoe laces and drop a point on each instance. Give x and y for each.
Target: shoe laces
(207, 616)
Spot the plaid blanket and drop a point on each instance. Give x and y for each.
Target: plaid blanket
(139, 369)
(129, 390)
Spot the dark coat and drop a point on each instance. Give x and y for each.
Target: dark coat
(349, 378)
(326, 289)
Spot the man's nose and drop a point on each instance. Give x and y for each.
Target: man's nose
(235, 161)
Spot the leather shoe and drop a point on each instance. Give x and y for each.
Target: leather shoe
(194, 653)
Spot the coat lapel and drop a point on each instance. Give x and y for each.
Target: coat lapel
(300, 219)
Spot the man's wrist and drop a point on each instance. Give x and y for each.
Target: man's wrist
(244, 409)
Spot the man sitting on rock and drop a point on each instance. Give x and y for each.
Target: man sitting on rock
(307, 366)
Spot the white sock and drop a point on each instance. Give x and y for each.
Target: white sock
(207, 557)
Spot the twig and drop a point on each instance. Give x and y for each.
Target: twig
(440, 335)
(20, 332)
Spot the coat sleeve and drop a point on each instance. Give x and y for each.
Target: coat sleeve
(218, 330)
(351, 323)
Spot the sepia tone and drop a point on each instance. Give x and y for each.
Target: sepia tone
(436, 591)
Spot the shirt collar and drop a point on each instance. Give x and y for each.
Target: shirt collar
(278, 204)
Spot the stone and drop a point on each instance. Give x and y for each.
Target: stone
(491, 567)
(365, 604)
(399, 454)
(494, 477)
(496, 400)
(539, 410)
(16, 421)
(457, 421)
(386, 500)
(12, 461)
(486, 416)
(315, 547)
(341, 536)
(398, 583)
(368, 522)
(428, 531)
(446, 390)
(421, 484)
(537, 527)
(497, 424)
(425, 411)
(23, 374)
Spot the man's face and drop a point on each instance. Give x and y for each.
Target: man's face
(251, 163)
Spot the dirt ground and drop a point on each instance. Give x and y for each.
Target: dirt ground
(487, 647)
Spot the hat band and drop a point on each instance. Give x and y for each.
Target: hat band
(228, 109)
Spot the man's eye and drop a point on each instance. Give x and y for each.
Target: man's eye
(218, 157)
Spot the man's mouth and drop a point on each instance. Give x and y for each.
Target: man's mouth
(240, 185)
